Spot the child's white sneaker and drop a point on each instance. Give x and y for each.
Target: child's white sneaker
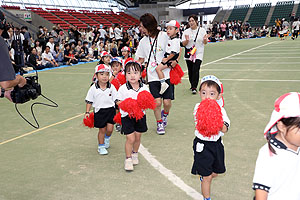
(164, 87)
(135, 158)
(128, 164)
(102, 150)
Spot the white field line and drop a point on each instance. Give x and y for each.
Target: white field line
(279, 53)
(253, 63)
(273, 50)
(253, 70)
(169, 174)
(251, 58)
(254, 80)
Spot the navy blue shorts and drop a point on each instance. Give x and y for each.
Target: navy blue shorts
(155, 86)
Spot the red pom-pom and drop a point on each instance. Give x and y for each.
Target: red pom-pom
(146, 100)
(176, 74)
(117, 118)
(121, 78)
(133, 109)
(116, 83)
(89, 121)
(144, 73)
(209, 120)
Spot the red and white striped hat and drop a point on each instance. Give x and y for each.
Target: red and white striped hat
(105, 53)
(125, 49)
(102, 68)
(286, 106)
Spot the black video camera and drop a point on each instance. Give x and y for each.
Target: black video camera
(31, 90)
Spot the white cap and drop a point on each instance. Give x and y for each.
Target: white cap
(287, 105)
(217, 81)
(173, 23)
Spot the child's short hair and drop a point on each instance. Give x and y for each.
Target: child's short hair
(133, 65)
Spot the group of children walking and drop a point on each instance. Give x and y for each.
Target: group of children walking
(282, 151)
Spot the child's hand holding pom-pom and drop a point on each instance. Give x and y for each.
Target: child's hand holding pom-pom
(146, 100)
(131, 106)
(209, 120)
(117, 118)
(88, 120)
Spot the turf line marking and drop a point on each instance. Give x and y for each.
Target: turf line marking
(252, 80)
(169, 174)
(37, 130)
(273, 53)
(251, 58)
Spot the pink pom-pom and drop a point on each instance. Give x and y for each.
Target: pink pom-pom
(131, 106)
(117, 118)
(144, 73)
(176, 74)
(146, 100)
(89, 121)
(121, 78)
(209, 120)
(116, 83)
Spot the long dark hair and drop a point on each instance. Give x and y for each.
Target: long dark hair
(150, 23)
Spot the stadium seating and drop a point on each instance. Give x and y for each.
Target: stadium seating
(11, 7)
(282, 9)
(239, 13)
(259, 14)
(68, 18)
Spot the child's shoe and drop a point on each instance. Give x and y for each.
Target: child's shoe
(118, 127)
(128, 164)
(164, 118)
(164, 87)
(106, 143)
(102, 150)
(160, 128)
(207, 198)
(135, 158)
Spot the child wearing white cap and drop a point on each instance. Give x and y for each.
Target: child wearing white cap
(277, 171)
(172, 52)
(101, 96)
(209, 149)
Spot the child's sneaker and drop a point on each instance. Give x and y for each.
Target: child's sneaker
(118, 127)
(135, 158)
(164, 118)
(164, 87)
(102, 150)
(106, 143)
(160, 128)
(128, 164)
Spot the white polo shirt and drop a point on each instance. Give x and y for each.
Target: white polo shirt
(126, 91)
(101, 98)
(173, 46)
(48, 56)
(278, 174)
(214, 137)
(159, 50)
(199, 42)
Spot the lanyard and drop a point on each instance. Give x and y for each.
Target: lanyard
(154, 50)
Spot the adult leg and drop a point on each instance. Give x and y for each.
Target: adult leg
(196, 73)
(190, 71)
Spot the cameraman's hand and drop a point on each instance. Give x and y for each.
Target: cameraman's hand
(21, 81)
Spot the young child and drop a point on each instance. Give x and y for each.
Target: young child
(101, 96)
(132, 127)
(125, 53)
(105, 58)
(172, 52)
(277, 171)
(209, 151)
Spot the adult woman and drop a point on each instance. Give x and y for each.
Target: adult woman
(151, 50)
(188, 40)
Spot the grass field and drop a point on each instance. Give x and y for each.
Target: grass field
(60, 160)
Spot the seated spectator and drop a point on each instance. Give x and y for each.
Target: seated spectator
(47, 58)
(32, 60)
(69, 57)
(39, 49)
(58, 55)
(83, 57)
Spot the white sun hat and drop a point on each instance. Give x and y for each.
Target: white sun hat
(287, 105)
(217, 81)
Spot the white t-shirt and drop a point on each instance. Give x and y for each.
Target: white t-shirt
(48, 56)
(111, 32)
(199, 42)
(101, 98)
(51, 45)
(102, 33)
(173, 46)
(214, 137)
(296, 25)
(126, 91)
(159, 50)
(278, 174)
(118, 33)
